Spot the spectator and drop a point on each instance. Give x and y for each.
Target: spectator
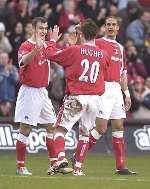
(28, 30)
(8, 80)
(4, 41)
(69, 16)
(94, 10)
(146, 54)
(134, 61)
(141, 99)
(121, 4)
(5, 109)
(16, 38)
(136, 29)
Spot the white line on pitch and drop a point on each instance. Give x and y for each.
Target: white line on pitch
(74, 177)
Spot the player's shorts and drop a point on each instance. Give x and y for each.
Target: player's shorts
(76, 108)
(111, 102)
(33, 106)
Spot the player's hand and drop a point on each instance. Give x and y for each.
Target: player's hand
(78, 28)
(78, 33)
(55, 33)
(39, 42)
(127, 103)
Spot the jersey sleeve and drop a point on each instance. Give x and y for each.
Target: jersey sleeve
(23, 50)
(62, 57)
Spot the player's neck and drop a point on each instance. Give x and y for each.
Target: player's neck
(110, 37)
(32, 38)
(91, 42)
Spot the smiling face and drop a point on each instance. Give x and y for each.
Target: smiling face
(41, 29)
(111, 27)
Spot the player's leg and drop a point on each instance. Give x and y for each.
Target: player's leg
(119, 147)
(105, 105)
(48, 118)
(86, 123)
(69, 114)
(82, 148)
(21, 143)
(28, 102)
(117, 116)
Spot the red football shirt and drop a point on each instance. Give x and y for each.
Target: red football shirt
(37, 72)
(116, 56)
(84, 65)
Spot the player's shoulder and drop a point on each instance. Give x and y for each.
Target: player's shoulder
(27, 43)
(74, 47)
(101, 40)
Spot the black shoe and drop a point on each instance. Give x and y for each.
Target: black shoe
(125, 172)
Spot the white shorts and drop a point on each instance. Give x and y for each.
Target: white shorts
(111, 102)
(82, 108)
(33, 106)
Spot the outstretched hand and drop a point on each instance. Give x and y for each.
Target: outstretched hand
(54, 34)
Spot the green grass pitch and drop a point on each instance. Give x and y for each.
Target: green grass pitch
(98, 168)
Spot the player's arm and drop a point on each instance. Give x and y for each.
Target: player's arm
(26, 59)
(54, 54)
(59, 56)
(124, 84)
(25, 55)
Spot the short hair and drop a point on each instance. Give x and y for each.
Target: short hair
(142, 11)
(113, 17)
(89, 29)
(37, 20)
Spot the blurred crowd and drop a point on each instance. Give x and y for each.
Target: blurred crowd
(134, 34)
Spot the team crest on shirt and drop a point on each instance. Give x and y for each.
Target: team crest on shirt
(26, 117)
(100, 112)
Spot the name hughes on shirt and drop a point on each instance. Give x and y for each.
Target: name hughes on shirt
(90, 52)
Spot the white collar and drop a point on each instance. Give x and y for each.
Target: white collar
(109, 40)
(31, 41)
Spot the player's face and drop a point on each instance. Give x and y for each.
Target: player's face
(111, 28)
(41, 30)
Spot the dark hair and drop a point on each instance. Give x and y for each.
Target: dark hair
(89, 29)
(142, 11)
(37, 20)
(113, 17)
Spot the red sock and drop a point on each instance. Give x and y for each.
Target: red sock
(59, 143)
(81, 150)
(51, 150)
(119, 149)
(20, 151)
(92, 141)
(94, 136)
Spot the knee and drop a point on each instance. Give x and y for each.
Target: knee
(25, 129)
(117, 127)
(101, 129)
(50, 128)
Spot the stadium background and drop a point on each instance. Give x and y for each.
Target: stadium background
(15, 27)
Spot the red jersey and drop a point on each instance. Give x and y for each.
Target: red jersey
(116, 56)
(83, 65)
(37, 72)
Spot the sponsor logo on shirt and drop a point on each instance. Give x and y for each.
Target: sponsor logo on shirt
(116, 59)
(45, 61)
